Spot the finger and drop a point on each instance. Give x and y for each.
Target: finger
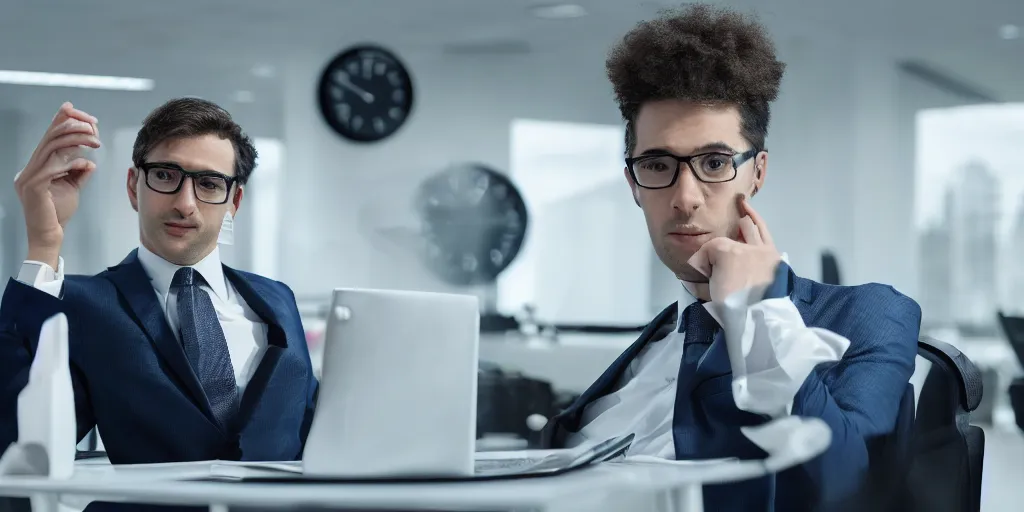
(65, 127)
(67, 110)
(71, 140)
(71, 125)
(79, 171)
(750, 233)
(705, 258)
(701, 261)
(762, 227)
(59, 154)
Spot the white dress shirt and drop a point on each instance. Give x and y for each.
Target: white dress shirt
(644, 399)
(643, 402)
(245, 332)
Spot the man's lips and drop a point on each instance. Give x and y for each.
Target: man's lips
(176, 229)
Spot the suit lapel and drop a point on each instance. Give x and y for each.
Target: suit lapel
(570, 418)
(133, 283)
(265, 302)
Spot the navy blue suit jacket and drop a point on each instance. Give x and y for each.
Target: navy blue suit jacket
(132, 380)
(859, 397)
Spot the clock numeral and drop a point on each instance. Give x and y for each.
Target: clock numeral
(394, 79)
(353, 68)
(367, 68)
(357, 123)
(497, 257)
(344, 111)
(398, 96)
(380, 68)
(378, 124)
(395, 113)
(469, 263)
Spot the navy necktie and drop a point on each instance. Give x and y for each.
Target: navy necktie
(205, 346)
(700, 329)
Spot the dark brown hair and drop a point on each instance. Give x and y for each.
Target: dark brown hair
(697, 53)
(193, 117)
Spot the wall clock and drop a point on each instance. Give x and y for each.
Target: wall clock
(473, 222)
(365, 94)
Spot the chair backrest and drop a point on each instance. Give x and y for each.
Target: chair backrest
(947, 452)
(830, 269)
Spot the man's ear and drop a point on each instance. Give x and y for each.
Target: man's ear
(760, 171)
(632, 186)
(236, 201)
(133, 191)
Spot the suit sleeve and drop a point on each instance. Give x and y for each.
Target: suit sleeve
(313, 390)
(22, 313)
(859, 396)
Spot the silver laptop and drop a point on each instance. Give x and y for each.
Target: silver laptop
(398, 390)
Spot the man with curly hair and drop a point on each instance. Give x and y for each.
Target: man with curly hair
(749, 342)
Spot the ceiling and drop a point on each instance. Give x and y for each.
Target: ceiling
(183, 38)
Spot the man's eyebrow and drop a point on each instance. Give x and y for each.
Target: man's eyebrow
(711, 147)
(170, 163)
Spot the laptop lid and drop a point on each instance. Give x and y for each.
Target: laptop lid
(398, 391)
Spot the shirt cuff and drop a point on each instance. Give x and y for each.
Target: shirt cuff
(771, 349)
(42, 276)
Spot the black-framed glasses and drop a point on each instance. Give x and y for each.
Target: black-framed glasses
(662, 170)
(166, 178)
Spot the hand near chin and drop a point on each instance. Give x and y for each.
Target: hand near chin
(733, 265)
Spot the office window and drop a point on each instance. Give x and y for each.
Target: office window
(263, 193)
(587, 254)
(970, 215)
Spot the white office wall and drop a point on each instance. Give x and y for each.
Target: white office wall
(833, 178)
(11, 226)
(463, 110)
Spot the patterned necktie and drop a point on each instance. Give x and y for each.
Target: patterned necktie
(700, 329)
(205, 346)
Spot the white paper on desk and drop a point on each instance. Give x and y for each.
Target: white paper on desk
(46, 410)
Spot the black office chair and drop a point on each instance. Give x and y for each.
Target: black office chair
(946, 453)
(1013, 327)
(830, 269)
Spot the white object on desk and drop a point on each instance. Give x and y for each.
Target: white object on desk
(399, 386)
(46, 410)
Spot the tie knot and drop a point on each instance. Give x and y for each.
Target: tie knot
(185, 276)
(696, 318)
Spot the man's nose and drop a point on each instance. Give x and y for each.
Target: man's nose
(688, 192)
(185, 199)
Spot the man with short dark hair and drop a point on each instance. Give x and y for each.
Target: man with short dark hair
(749, 341)
(174, 356)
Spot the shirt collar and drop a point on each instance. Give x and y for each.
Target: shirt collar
(161, 271)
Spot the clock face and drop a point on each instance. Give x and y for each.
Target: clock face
(473, 222)
(365, 94)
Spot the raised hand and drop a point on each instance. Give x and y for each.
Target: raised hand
(734, 265)
(49, 185)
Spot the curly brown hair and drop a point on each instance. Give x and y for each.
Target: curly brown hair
(697, 53)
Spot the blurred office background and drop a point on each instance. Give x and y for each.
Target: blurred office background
(895, 148)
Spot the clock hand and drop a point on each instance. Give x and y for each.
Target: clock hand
(344, 82)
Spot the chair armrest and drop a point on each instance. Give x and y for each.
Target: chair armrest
(968, 375)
